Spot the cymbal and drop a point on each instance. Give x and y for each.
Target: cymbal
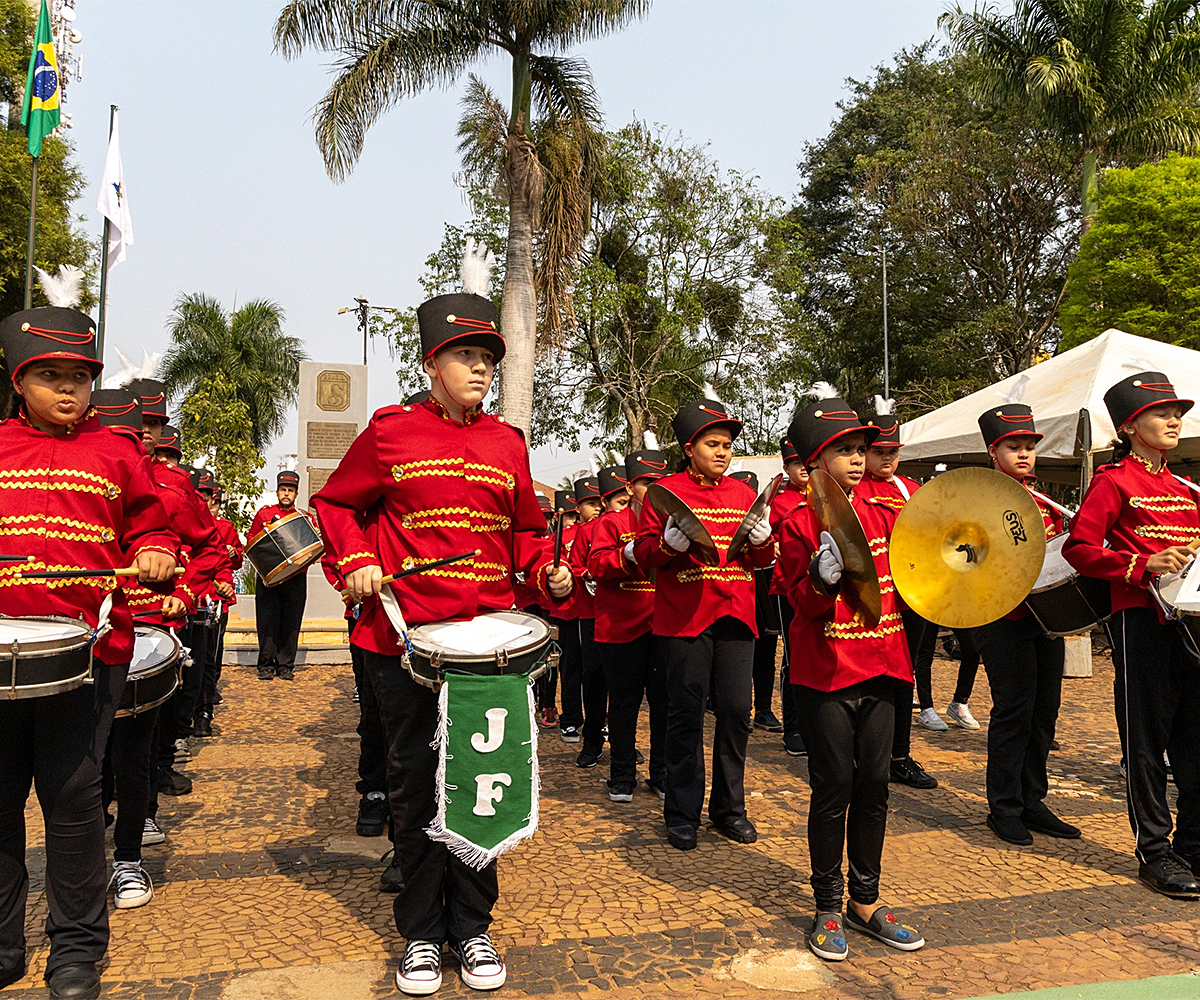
(860, 581)
(669, 505)
(967, 548)
(753, 516)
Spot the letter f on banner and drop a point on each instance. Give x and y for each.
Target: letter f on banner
(488, 792)
(495, 734)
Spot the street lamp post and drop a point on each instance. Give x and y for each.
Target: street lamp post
(886, 379)
(363, 311)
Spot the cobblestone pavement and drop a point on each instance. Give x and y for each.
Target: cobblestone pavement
(263, 890)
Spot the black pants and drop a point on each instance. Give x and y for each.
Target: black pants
(721, 658)
(214, 650)
(632, 669)
(766, 614)
(1024, 669)
(195, 637)
(131, 752)
(787, 690)
(595, 688)
(849, 736)
(968, 664)
(1158, 704)
(56, 743)
(443, 898)
(922, 643)
(570, 667)
(372, 747)
(278, 615)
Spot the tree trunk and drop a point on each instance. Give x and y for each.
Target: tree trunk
(1089, 193)
(518, 316)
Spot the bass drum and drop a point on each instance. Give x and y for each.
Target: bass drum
(500, 642)
(154, 671)
(1062, 601)
(285, 547)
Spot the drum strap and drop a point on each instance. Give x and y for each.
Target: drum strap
(102, 625)
(1188, 483)
(391, 607)
(1065, 511)
(904, 492)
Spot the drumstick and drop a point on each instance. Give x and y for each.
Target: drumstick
(414, 570)
(71, 574)
(558, 533)
(4, 559)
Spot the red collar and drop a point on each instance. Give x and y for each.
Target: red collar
(699, 480)
(469, 416)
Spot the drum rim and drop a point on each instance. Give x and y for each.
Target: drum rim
(298, 563)
(529, 642)
(36, 648)
(268, 528)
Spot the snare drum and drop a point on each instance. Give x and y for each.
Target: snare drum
(1180, 604)
(44, 656)
(500, 642)
(154, 672)
(1062, 601)
(285, 547)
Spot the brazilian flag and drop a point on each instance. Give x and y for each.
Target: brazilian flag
(39, 113)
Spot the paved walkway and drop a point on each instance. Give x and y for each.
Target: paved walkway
(264, 891)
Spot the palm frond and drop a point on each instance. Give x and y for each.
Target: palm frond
(563, 89)
(481, 133)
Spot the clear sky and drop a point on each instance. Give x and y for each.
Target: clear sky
(228, 192)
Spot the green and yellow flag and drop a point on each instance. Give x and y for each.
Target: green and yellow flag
(39, 113)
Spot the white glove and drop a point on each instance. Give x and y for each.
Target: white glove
(761, 532)
(674, 536)
(629, 558)
(829, 560)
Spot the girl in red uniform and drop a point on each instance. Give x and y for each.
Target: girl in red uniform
(845, 682)
(74, 495)
(704, 618)
(1136, 521)
(790, 497)
(563, 617)
(590, 505)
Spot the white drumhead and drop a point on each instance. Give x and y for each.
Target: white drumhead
(39, 630)
(1174, 589)
(482, 635)
(151, 648)
(1055, 569)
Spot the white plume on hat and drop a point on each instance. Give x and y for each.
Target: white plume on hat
(710, 393)
(821, 390)
(884, 407)
(129, 371)
(63, 289)
(650, 440)
(476, 269)
(1138, 365)
(1017, 392)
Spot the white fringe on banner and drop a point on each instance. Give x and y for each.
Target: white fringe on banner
(466, 851)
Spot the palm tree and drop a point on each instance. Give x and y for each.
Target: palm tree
(1114, 79)
(392, 49)
(249, 347)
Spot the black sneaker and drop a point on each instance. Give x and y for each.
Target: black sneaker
(482, 966)
(171, 782)
(622, 791)
(202, 727)
(589, 756)
(793, 743)
(767, 720)
(266, 673)
(1171, 877)
(217, 699)
(392, 879)
(420, 971)
(285, 673)
(372, 815)
(907, 771)
(570, 734)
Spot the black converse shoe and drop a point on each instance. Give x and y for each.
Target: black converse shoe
(482, 966)
(420, 971)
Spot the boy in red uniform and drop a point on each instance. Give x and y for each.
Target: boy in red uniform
(1148, 517)
(704, 618)
(563, 617)
(77, 495)
(589, 501)
(845, 683)
(422, 482)
(221, 594)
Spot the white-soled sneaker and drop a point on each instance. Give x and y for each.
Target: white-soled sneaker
(152, 833)
(131, 884)
(929, 719)
(958, 713)
(482, 966)
(420, 971)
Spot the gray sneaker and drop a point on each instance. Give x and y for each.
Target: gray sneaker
(827, 939)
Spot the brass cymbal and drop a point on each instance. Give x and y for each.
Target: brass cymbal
(753, 516)
(967, 548)
(860, 581)
(669, 505)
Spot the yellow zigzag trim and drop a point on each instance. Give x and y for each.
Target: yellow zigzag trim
(41, 473)
(1170, 532)
(857, 629)
(644, 586)
(110, 492)
(356, 555)
(1161, 505)
(698, 573)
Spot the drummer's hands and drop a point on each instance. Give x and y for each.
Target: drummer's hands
(224, 589)
(760, 534)
(1169, 560)
(232, 551)
(364, 582)
(173, 607)
(154, 567)
(674, 537)
(559, 581)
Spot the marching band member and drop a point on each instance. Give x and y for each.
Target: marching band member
(394, 501)
(85, 499)
(1024, 666)
(845, 684)
(790, 497)
(279, 610)
(624, 636)
(704, 618)
(223, 594)
(589, 502)
(563, 616)
(1136, 522)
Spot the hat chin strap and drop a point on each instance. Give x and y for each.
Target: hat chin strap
(462, 407)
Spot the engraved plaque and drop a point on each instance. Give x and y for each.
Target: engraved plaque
(317, 478)
(333, 391)
(329, 440)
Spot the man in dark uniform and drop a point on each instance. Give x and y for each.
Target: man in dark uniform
(278, 610)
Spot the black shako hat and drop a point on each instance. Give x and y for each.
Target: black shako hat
(460, 316)
(787, 450)
(1007, 421)
(120, 409)
(1130, 396)
(154, 396)
(286, 477)
(417, 397)
(821, 423)
(587, 488)
(649, 463)
(699, 414)
(564, 502)
(207, 482)
(889, 430)
(169, 440)
(545, 504)
(49, 332)
(747, 477)
(612, 480)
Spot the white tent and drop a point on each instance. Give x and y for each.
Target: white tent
(1067, 396)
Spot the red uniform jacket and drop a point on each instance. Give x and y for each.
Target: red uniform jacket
(789, 498)
(583, 603)
(227, 535)
(566, 610)
(837, 648)
(889, 491)
(203, 556)
(1139, 513)
(73, 501)
(688, 595)
(624, 596)
(417, 486)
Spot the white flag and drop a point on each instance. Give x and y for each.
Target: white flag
(114, 203)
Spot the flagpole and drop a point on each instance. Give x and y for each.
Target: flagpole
(112, 112)
(32, 233)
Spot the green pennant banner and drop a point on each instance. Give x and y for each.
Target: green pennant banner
(487, 765)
